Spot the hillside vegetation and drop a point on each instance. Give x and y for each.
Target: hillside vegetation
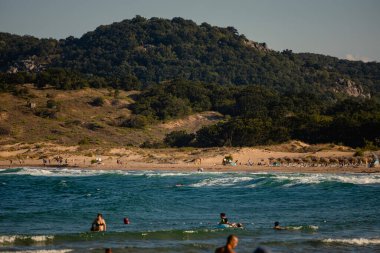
(147, 71)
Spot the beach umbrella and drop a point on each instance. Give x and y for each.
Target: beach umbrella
(314, 159)
(288, 159)
(324, 160)
(296, 160)
(306, 159)
(358, 160)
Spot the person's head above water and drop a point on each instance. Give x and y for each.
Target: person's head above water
(222, 215)
(261, 250)
(276, 224)
(232, 240)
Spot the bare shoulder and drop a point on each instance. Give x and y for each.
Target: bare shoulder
(220, 250)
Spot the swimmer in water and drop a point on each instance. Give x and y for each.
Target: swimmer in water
(278, 227)
(99, 224)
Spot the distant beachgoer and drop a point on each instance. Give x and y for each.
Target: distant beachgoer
(278, 227)
(126, 221)
(200, 170)
(11, 161)
(99, 224)
(108, 250)
(223, 219)
(232, 242)
(261, 250)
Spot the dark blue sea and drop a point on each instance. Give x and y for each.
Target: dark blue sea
(51, 210)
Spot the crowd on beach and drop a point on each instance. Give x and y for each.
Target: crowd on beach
(272, 162)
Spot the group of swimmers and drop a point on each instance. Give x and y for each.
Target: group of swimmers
(99, 224)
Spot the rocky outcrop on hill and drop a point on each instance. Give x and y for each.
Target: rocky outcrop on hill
(350, 88)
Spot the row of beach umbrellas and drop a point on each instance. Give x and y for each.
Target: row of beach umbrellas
(321, 160)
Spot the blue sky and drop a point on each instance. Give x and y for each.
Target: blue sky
(347, 29)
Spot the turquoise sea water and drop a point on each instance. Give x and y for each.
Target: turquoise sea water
(51, 210)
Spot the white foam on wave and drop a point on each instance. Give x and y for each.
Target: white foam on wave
(230, 181)
(7, 239)
(57, 172)
(189, 232)
(354, 241)
(42, 251)
(36, 238)
(295, 179)
(167, 174)
(308, 227)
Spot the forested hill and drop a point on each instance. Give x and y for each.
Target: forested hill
(144, 51)
(182, 68)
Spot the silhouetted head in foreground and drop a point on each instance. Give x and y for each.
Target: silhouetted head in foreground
(261, 250)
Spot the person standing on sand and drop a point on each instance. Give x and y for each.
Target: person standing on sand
(232, 242)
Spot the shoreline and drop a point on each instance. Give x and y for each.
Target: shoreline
(292, 157)
(205, 168)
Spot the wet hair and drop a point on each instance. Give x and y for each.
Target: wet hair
(223, 214)
(261, 250)
(230, 238)
(100, 215)
(277, 224)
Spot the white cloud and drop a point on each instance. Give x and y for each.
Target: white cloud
(351, 57)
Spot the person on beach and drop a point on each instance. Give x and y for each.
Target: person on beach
(278, 227)
(99, 224)
(232, 242)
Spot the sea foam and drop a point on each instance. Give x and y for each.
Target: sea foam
(297, 179)
(42, 251)
(230, 181)
(354, 241)
(6, 239)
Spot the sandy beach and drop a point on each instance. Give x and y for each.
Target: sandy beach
(291, 157)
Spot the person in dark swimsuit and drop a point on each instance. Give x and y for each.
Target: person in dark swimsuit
(223, 219)
(99, 224)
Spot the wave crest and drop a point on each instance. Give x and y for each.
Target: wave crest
(8, 239)
(354, 241)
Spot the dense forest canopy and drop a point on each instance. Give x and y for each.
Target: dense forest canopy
(183, 68)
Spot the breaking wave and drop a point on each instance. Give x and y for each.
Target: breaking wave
(9, 239)
(354, 241)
